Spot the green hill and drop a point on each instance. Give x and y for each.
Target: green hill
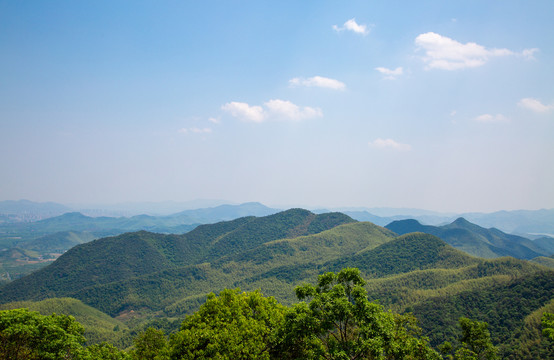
(98, 326)
(504, 306)
(414, 251)
(544, 261)
(474, 240)
(131, 255)
(143, 276)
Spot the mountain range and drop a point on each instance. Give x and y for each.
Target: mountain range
(138, 277)
(478, 241)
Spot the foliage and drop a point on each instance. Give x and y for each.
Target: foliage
(548, 325)
(151, 345)
(406, 253)
(29, 335)
(475, 240)
(476, 341)
(233, 325)
(99, 327)
(504, 306)
(104, 351)
(339, 322)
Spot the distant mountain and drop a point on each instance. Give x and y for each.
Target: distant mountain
(517, 221)
(131, 255)
(177, 223)
(223, 213)
(58, 234)
(546, 243)
(473, 239)
(25, 210)
(58, 242)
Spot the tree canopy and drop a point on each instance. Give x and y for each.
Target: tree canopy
(233, 325)
(28, 335)
(336, 320)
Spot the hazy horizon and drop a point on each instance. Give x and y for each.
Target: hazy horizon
(433, 105)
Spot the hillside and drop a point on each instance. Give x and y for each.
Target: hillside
(138, 277)
(55, 235)
(130, 255)
(98, 326)
(505, 306)
(474, 240)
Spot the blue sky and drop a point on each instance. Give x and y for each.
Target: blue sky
(441, 105)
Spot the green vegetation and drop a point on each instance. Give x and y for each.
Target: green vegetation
(99, 327)
(475, 240)
(29, 335)
(147, 280)
(548, 325)
(233, 325)
(339, 322)
(544, 261)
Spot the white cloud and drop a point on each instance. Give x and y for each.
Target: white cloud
(352, 25)
(534, 105)
(244, 111)
(214, 120)
(318, 81)
(291, 111)
(529, 54)
(195, 130)
(488, 118)
(390, 74)
(444, 53)
(389, 144)
(274, 109)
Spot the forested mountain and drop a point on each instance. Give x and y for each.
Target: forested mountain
(128, 256)
(147, 274)
(37, 243)
(12, 234)
(475, 240)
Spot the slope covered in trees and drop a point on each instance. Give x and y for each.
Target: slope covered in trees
(475, 240)
(139, 277)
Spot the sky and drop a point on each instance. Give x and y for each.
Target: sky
(438, 105)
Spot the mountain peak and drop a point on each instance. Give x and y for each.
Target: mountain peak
(461, 222)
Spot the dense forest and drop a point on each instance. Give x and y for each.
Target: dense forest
(130, 289)
(333, 320)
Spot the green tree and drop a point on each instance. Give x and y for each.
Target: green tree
(233, 325)
(547, 321)
(104, 351)
(339, 322)
(29, 335)
(151, 344)
(475, 341)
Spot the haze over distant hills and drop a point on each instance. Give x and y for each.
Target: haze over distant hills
(204, 211)
(476, 240)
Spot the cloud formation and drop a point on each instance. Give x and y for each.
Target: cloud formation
(352, 25)
(389, 144)
(274, 109)
(488, 118)
(244, 111)
(291, 111)
(195, 130)
(318, 81)
(444, 53)
(534, 105)
(390, 74)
